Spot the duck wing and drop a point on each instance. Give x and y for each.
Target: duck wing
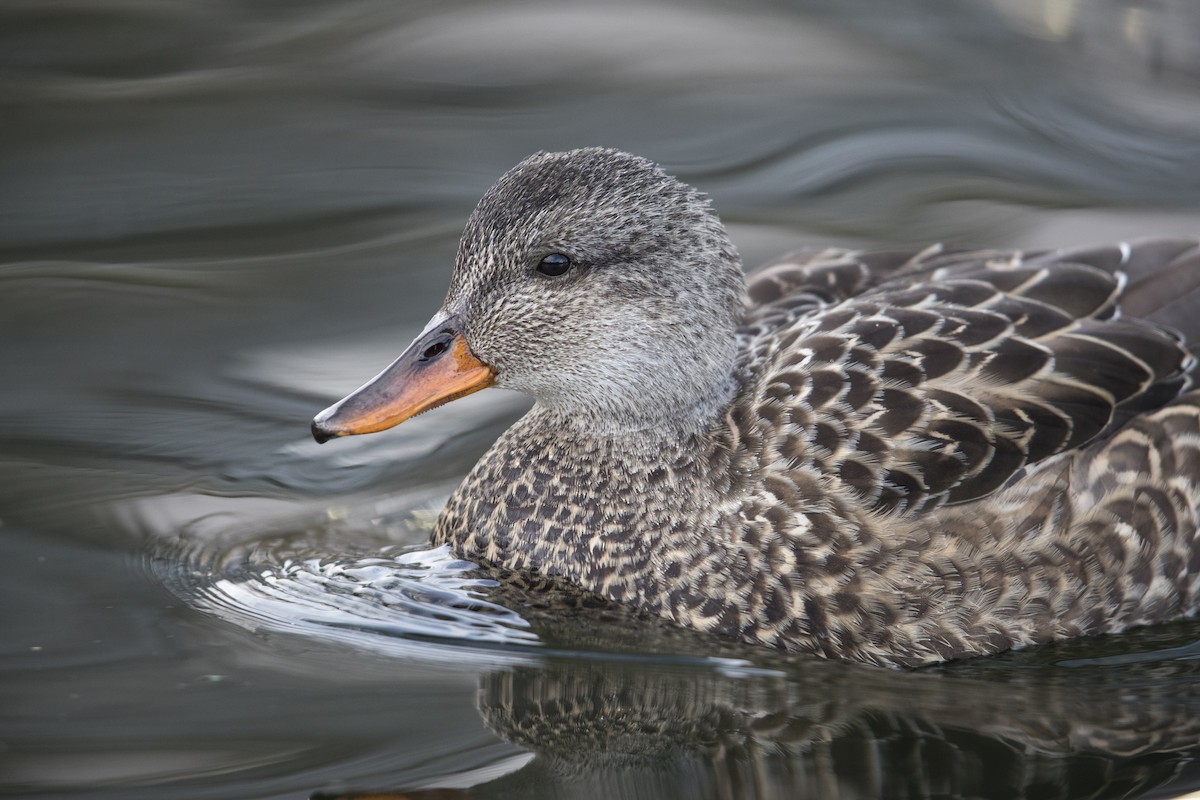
(941, 375)
(806, 280)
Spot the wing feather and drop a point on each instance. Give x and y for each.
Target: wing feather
(918, 379)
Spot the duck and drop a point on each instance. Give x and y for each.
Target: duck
(897, 458)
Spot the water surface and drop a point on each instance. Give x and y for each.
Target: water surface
(217, 218)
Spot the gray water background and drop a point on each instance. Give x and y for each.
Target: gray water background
(218, 217)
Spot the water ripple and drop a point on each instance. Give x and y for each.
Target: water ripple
(346, 585)
(378, 602)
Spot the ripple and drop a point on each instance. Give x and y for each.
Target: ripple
(347, 584)
(382, 602)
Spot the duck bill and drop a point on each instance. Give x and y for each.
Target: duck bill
(436, 368)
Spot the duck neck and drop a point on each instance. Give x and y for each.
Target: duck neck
(651, 422)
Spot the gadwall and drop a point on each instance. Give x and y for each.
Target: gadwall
(895, 458)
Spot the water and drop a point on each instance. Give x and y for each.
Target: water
(216, 218)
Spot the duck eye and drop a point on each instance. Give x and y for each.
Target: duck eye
(554, 265)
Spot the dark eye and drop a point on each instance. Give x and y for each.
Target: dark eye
(554, 265)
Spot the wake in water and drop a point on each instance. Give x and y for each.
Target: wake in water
(353, 587)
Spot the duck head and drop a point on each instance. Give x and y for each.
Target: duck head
(590, 280)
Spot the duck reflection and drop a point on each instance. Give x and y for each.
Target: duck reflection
(1059, 722)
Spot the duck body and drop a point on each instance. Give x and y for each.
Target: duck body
(893, 458)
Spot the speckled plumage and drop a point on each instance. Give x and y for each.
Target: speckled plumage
(892, 458)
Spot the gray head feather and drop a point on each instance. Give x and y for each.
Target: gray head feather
(640, 331)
